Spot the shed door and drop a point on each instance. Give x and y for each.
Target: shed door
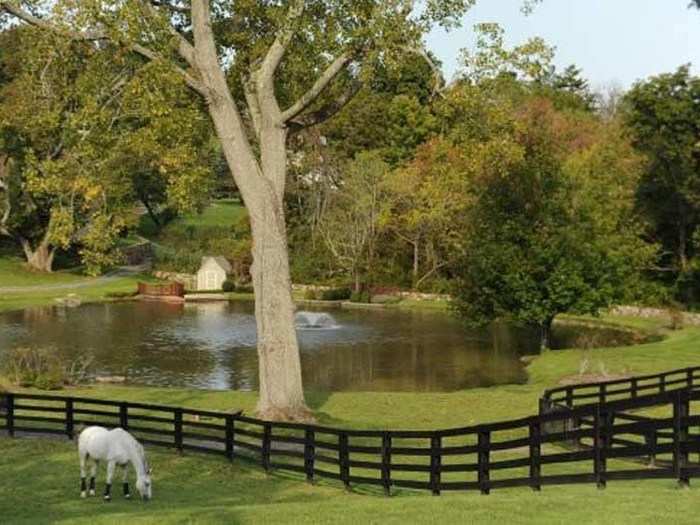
(211, 280)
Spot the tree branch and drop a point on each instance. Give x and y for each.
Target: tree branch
(184, 48)
(308, 98)
(278, 48)
(253, 104)
(92, 36)
(327, 111)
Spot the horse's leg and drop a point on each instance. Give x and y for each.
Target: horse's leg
(108, 485)
(93, 474)
(125, 470)
(83, 474)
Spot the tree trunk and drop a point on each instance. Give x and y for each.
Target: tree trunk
(281, 390)
(683, 245)
(416, 264)
(546, 334)
(41, 258)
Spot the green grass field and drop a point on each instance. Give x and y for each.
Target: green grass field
(13, 272)
(40, 485)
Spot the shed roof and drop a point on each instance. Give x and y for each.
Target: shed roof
(219, 260)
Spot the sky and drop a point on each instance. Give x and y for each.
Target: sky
(614, 42)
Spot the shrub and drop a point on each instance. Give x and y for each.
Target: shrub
(244, 288)
(311, 295)
(120, 295)
(336, 294)
(228, 286)
(360, 297)
(43, 368)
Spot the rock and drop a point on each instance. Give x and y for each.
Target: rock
(110, 379)
(385, 299)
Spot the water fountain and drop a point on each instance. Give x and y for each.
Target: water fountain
(314, 320)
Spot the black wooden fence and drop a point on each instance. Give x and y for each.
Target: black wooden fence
(604, 391)
(528, 452)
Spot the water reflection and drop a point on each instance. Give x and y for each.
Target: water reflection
(212, 345)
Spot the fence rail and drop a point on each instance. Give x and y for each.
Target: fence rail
(632, 387)
(525, 452)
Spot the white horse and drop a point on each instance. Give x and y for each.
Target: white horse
(116, 447)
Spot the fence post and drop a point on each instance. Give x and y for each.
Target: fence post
(602, 393)
(689, 377)
(662, 384)
(535, 455)
(680, 437)
(569, 397)
(230, 435)
(651, 443)
(386, 463)
(178, 429)
(124, 416)
(266, 446)
(10, 418)
(309, 454)
(69, 418)
(344, 457)
(484, 442)
(599, 463)
(435, 464)
(634, 387)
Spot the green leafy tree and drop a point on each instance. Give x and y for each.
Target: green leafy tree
(351, 223)
(551, 228)
(85, 132)
(663, 114)
(426, 199)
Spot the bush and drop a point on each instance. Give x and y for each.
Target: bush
(311, 295)
(360, 297)
(228, 286)
(244, 288)
(120, 295)
(336, 294)
(43, 368)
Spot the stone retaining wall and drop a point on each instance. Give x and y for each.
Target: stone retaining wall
(686, 318)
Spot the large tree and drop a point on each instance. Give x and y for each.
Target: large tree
(86, 136)
(663, 114)
(251, 62)
(552, 227)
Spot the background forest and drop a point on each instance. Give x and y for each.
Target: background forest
(514, 187)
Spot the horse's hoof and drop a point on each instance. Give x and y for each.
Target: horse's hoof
(127, 496)
(108, 498)
(92, 493)
(83, 494)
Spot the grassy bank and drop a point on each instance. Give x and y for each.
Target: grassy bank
(41, 286)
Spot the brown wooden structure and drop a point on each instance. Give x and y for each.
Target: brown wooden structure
(161, 289)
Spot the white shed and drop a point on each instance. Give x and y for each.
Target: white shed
(212, 273)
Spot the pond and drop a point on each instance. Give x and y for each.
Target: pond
(212, 345)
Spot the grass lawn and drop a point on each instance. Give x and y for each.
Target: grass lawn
(40, 485)
(223, 212)
(13, 272)
(41, 482)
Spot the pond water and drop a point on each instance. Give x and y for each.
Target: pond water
(212, 345)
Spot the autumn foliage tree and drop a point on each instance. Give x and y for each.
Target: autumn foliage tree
(553, 227)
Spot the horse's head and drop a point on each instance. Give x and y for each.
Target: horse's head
(144, 485)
